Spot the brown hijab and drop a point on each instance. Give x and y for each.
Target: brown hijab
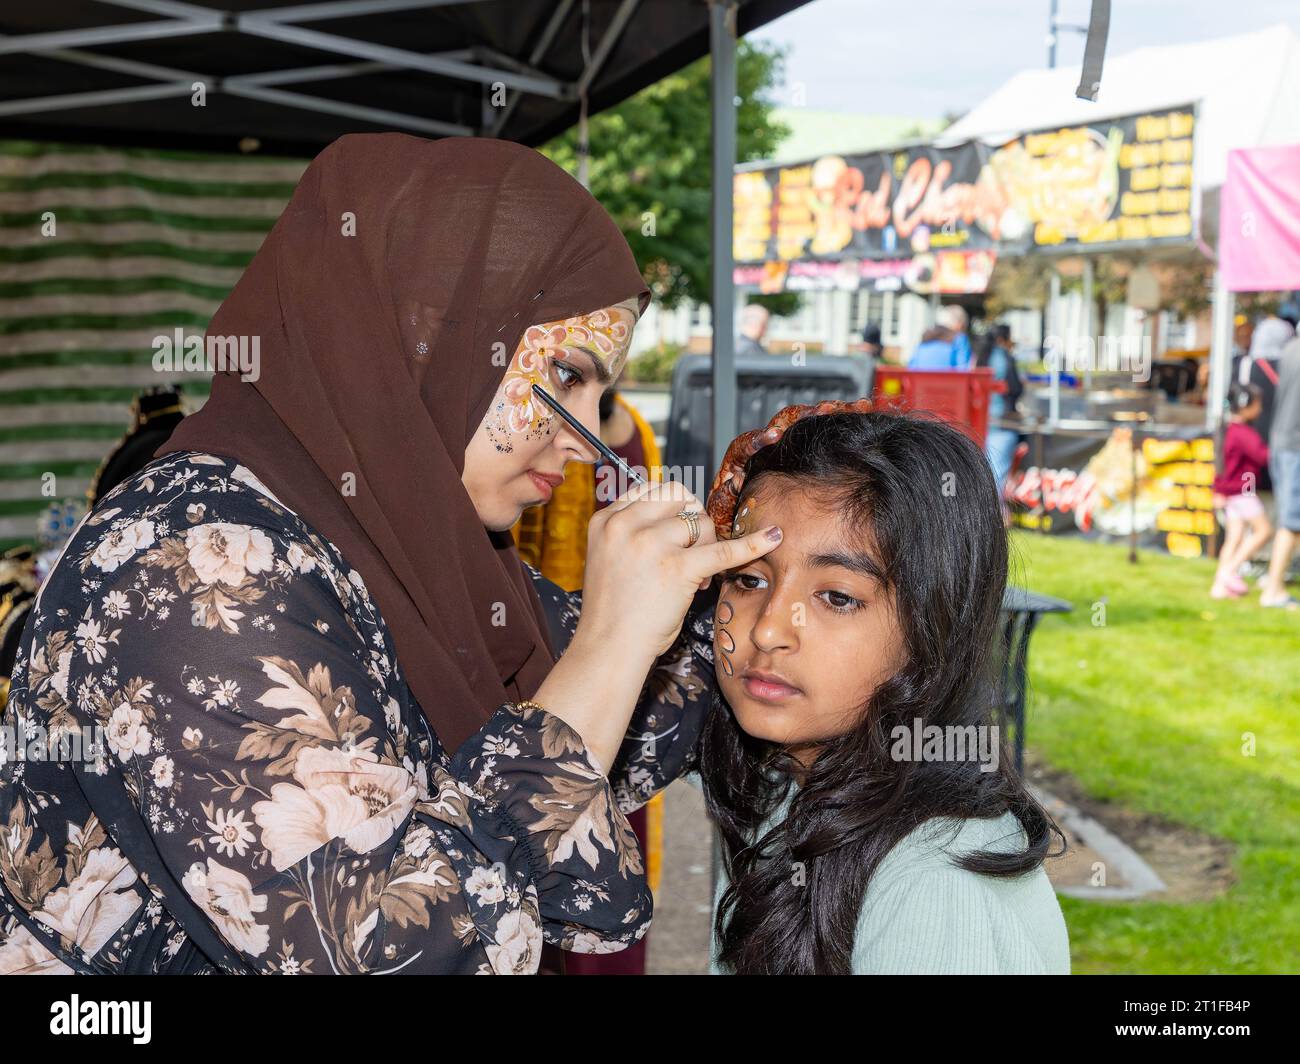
(388, 300)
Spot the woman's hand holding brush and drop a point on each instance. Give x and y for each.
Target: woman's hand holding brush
(641, 577)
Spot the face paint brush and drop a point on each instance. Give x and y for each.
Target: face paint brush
(632, 475)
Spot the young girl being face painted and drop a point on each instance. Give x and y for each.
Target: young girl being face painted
(522, 443)
(805, 634)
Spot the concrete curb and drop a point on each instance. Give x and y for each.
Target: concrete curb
(1141, 877)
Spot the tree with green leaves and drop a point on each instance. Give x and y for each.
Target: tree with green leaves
(650, 165)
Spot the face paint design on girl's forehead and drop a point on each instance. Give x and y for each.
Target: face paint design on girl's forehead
(743, 522)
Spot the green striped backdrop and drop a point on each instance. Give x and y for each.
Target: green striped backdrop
(146, 241)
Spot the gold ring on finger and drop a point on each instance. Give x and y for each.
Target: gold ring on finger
(692, 519)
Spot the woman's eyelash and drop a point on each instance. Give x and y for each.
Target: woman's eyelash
(570, 382)
(851, 606)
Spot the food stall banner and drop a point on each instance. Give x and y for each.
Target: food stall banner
(1259, 220)
(1124, 180)
(946, 272)
(1099, 488)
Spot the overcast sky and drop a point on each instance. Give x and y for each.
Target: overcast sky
(926, 57)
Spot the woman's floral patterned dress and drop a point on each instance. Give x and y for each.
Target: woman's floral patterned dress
(214, 765)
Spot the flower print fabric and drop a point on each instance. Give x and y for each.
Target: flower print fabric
(661, 740)
(262, 792)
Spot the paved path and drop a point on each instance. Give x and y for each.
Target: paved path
(679, 936)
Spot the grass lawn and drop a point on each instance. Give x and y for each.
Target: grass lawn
(1149, 705)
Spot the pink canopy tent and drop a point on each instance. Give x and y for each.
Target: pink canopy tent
(1259, 220)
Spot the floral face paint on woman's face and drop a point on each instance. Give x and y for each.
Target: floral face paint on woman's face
(561, 356)
(575, 360)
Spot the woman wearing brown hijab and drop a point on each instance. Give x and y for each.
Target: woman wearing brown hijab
(319, 718)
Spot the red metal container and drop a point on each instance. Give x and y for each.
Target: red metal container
(960, 396)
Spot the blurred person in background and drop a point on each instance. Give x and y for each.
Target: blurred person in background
(1243, 331)
(946, 345)
(955, 318)
(753, 327)
(1284, 464)
(995, 351)
(1260, 364)
(871, 340)
(1246, 525)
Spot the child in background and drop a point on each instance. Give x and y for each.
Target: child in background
(1245, 456)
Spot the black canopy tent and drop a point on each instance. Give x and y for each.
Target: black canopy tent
(289, 79)
(295, 77)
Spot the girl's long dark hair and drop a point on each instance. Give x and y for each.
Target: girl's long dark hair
(922, 495)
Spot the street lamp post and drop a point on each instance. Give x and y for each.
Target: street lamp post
(1053, 28)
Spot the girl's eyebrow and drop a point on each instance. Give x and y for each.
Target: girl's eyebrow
(853, 561)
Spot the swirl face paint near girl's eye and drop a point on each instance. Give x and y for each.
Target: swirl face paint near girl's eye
(723, 640)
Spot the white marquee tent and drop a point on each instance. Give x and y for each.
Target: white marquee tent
(1246, 90)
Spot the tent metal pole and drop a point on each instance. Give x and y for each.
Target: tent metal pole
(553, 25)
(378, 115)
(722, 63)
(1058, 348)
(613, 32)
(722, 46)
(103, 97)
(340, 8)
(96, 35)
(257, 26)
(1089, 324)
(1220, 351)
(253, 86)
(330, 9)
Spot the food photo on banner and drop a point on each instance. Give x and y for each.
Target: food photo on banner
(1159, 490)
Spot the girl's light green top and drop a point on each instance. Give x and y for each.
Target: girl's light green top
(924, 915)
